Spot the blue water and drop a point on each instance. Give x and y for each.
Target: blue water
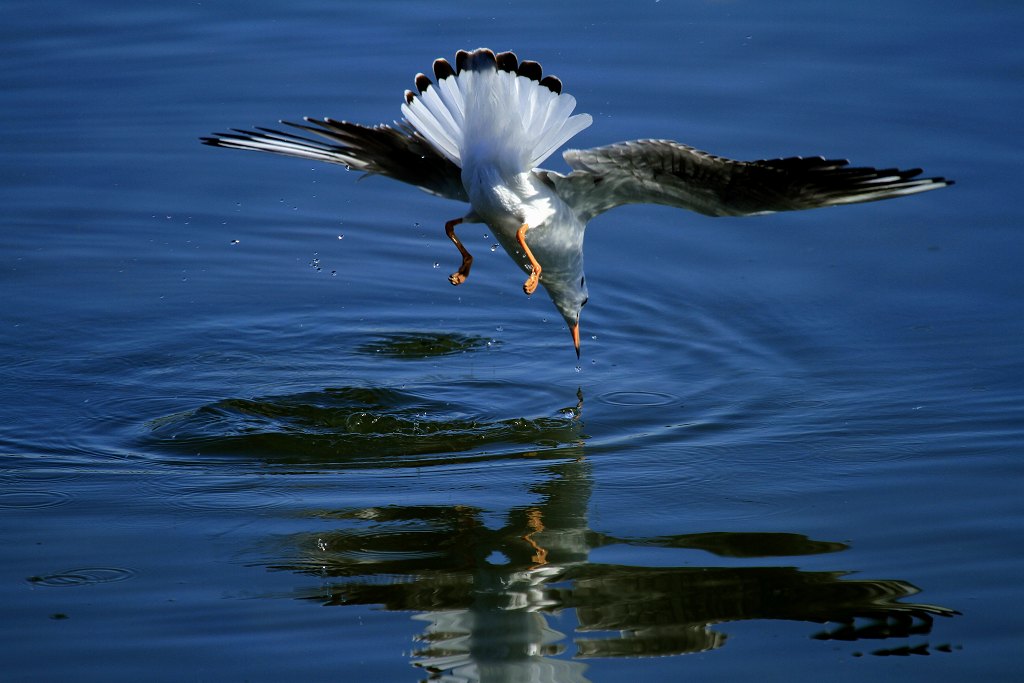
(249, 431)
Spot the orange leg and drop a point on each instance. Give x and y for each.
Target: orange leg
(531, 282)
(459, 276)
(535, 521)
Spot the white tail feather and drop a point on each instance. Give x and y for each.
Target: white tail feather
(494, 117)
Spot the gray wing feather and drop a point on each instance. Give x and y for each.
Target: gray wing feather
(670, 173)
(397, 151)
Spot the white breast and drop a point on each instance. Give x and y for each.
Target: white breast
(505, 203)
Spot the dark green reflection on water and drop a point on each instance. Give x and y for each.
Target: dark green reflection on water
(520, 598)
(408, 427)
(492, 596)
(417, 345)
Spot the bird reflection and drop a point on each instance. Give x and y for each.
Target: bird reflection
(519, 599)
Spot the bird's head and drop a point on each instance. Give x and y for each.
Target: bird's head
(569, 295)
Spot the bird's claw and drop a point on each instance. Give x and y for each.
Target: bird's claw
(530, 286)
(459, 276)
(531, 282)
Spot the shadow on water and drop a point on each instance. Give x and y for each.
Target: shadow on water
(491, 595)
(406, 427)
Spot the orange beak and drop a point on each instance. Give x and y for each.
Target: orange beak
(575, 329)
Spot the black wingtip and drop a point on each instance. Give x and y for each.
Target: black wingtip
(552, 83)
(531, 70)
(507, 61)
(442, 69)
(423, 82)
(483, 58)
(478, 60)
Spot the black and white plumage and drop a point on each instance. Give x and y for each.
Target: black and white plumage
(477, 133)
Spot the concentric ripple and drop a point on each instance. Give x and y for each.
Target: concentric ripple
(32, 499)
(638, 398)
(85, 576)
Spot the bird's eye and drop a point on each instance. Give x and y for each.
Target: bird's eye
(584, 302)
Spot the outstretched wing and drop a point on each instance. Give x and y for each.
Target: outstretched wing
(667, 172)
(397, 151)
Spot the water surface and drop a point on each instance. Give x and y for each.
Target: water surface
(249, 431)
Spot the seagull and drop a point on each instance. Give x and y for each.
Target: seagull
(479, 130)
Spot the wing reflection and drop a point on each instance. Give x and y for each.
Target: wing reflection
(497, 598)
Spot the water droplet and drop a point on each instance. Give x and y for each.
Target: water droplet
(499, 328)
(579, 368)
(341, 237)
(494, 247)
(235, 241)
(334, 272)
(436, 264)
